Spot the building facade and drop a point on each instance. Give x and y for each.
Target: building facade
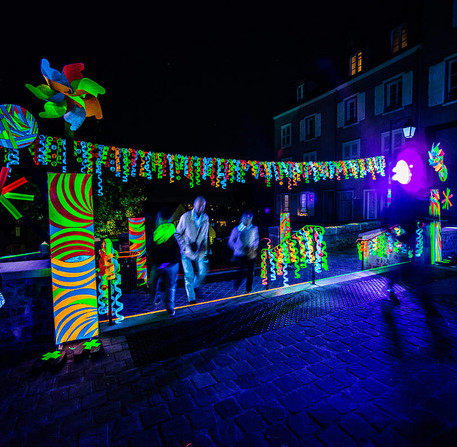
(406, 75)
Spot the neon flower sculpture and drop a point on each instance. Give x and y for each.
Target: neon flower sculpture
(6, 194)
(68, 94)
(435, 160)
(435, 226)
(447, 199)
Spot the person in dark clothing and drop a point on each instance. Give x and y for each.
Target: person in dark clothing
(163, 256)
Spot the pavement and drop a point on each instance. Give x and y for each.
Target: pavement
(331, 364)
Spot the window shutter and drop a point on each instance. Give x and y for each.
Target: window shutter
(293, 207)
(317, 125)
(302, 130)
(436, 84)
(407, 88)
(361, 106)
(379, 99)
(454, 14)
(385, 142)
(340, 114)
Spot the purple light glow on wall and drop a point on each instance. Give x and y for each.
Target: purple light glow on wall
(412, 157)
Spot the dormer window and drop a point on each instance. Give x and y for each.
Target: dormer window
(356, 63)
(399, 38)
(300, 92)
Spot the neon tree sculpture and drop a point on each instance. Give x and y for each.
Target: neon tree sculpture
(436, 155)
(435, 226)
(68, 94)
(109, 290)
(18, 129)
(304, 246)
(137, 236)
(385, 242)
(71, 224)
(6, 194)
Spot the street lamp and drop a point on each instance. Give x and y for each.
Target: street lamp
(409, 129)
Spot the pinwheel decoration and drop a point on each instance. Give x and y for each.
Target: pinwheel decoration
(6, 194)
(68, 94)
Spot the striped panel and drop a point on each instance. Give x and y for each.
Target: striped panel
(72, 257)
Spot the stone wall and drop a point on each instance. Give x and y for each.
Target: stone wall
(449, 241)
(343, 237)
(337, 238)
(26, 318)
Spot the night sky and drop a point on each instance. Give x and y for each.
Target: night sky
(202, 79)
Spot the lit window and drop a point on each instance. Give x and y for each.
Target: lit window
(351, 150)
(286, 132)
(306, 204)
(356, 63)
(399, 38)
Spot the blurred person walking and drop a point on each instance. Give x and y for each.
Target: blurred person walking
(244, 241)
(163, 256)
(192, 236)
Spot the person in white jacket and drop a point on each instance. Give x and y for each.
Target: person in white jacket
(192, 236)
(244, 241)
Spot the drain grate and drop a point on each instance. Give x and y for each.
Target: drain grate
(251, 319)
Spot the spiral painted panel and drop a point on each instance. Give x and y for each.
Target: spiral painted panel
(72, 257)
(137, 237)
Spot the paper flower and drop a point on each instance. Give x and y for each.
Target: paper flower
(436, 155)
(68, 94)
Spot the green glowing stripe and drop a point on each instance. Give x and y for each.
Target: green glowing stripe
(18, 256)
(18, 196)
(10, 207)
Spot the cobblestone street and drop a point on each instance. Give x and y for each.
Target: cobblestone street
(340, 364)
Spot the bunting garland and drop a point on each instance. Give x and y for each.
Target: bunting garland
(220, 172)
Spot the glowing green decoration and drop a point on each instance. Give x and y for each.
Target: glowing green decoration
(446, 201)
(51, 355)
(91, 344)
(6, 195)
